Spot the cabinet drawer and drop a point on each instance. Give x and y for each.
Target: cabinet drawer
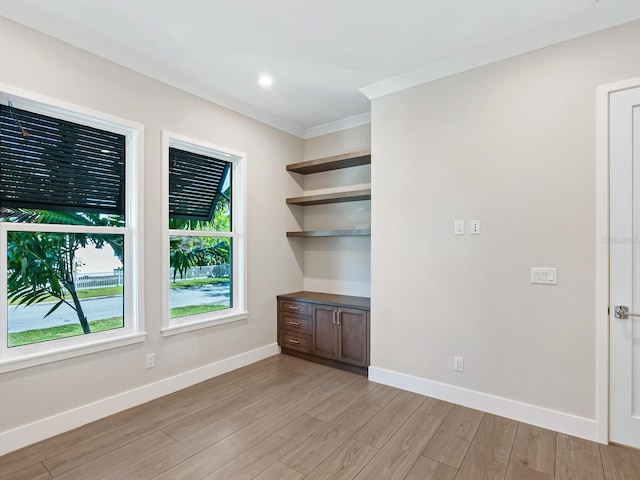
(295, 341)
(297, 323)
(291, 306)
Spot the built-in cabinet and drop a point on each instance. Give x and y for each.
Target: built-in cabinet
(332, 329)
(327, 328)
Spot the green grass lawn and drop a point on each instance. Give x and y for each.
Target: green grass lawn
(197, 282)
(62, 331)
(71, 330)
(88, 293)
(74, 329)
(195, 309)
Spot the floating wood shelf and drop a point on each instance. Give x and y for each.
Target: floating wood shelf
(331, 163)
(338, 197)
(356, 232)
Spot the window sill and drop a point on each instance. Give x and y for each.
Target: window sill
(185, 327)
(33, 359)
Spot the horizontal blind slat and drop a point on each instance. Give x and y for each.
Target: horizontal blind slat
(60, 165)
(195, 181)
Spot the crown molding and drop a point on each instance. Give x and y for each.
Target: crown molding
(338, 125)
(500, 51)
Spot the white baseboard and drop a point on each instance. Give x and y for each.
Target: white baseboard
(542, 417)
(24, 435)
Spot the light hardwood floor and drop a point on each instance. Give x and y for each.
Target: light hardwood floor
(287, 419)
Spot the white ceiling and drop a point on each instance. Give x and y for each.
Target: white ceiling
(324, 55)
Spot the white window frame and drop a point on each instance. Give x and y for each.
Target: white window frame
(15, 358)
(238, 311)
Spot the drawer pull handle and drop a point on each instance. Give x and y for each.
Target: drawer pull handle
(296, 324)
(293, 307)
(294, 341)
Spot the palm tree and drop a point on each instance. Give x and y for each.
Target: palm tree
(42, 264)
(193, 251)
(187, 252)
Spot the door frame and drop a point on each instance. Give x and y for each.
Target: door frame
(602, 253)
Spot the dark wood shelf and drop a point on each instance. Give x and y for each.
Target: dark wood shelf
(327, 198)
(331, 163)
(356, 232)
(328, 299)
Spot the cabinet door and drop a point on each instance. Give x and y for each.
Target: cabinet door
(324, 331)
(353, 336)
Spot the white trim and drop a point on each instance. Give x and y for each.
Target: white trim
(44, 105)
(200, 147)
(238, 106)
(199, 233)
(102, 341)
(522, 412)
(602, 253)
(135, 297)
(61, 228)
(338, 125)
(196, 324)
(602, 264)
(133, 331)
(24, 435)
(449, 67)
(502, 50)
(238, 161)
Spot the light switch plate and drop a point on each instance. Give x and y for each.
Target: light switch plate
(458, 227)
(458, 364)
(544, 276)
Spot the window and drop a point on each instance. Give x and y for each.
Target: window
(205, 244)
(68, 277)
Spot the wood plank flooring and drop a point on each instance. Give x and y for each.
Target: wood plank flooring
(287, 419)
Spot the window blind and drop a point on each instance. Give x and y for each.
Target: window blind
(195, 184)
(52, 164)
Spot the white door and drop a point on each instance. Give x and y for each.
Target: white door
(625, 267)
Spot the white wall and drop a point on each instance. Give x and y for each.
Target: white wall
(336, 264)
(511, 144)
(48, 67)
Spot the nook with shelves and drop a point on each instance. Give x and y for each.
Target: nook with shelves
(324, 165)
(323, 327)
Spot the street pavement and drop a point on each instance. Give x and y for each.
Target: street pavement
(32, 317)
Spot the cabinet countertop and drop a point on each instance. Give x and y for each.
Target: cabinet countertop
(328, 299)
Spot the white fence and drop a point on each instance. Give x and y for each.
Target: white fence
(116, 278)
(99, 279)
(210, 271)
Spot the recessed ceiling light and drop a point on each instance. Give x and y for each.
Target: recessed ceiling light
(265, 80)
